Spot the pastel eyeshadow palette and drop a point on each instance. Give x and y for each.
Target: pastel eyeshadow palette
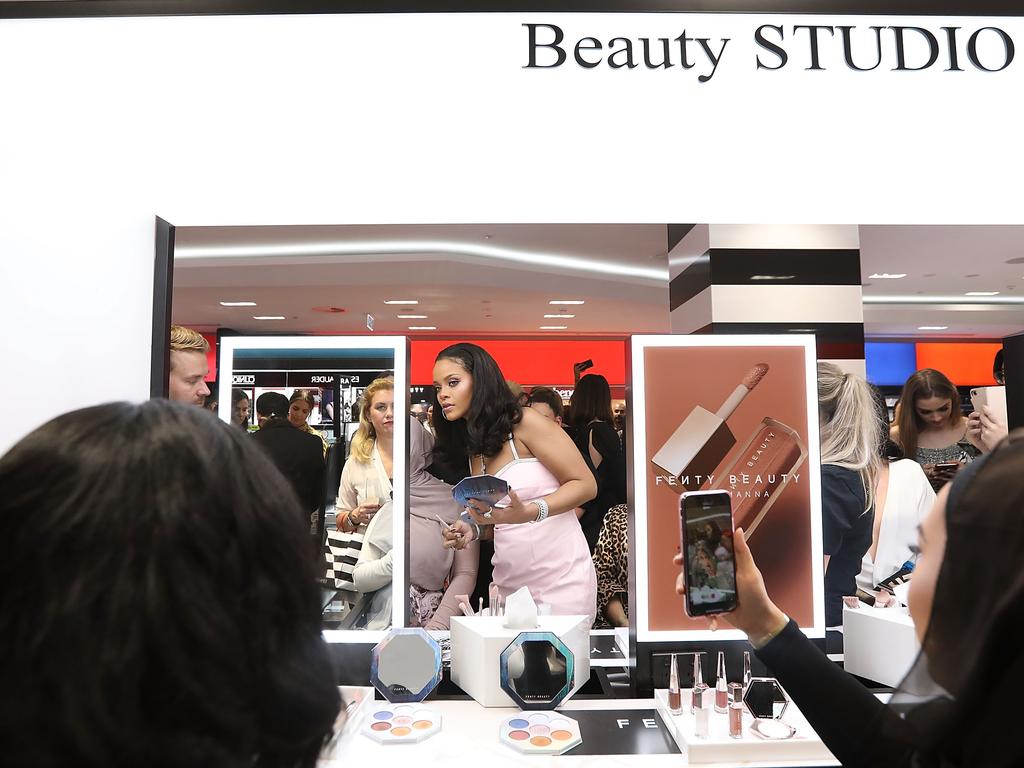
(540, 733)
(401, 723)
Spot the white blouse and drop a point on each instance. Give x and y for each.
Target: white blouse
(908, 498)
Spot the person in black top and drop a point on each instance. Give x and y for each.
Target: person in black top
(297, 454)
(590, 409)
(157, 603)
(850, 435)
(959, 704)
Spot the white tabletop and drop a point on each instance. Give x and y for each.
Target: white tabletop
(469, 736)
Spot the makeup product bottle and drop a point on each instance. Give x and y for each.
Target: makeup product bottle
(675, 696)
(760, 472)
(735, 693)
(721, 686)
(701, 723)
(746, 668)
(700, 443)
(699, 688)
(736, 719)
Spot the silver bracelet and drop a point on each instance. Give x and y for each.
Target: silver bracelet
(542, 510)
(464, 517)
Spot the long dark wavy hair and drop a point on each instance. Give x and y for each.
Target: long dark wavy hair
(591, 399)
(924, 384)
(492, 413)
(158, 605)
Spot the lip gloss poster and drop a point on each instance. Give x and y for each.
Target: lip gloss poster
(730, 413)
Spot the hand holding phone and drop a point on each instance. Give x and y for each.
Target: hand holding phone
(709, 558)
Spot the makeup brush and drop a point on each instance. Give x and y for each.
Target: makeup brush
(703, 440)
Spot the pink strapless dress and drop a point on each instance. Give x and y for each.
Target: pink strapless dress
(550, 557)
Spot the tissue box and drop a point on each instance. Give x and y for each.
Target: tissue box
(878, 643)
(477, 642)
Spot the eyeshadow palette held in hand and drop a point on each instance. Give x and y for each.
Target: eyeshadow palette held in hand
(485, 488)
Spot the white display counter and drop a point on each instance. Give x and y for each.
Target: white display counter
(470, 737)
(879, 644)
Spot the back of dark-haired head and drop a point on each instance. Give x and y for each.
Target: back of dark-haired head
(972, 649)
(271, 404)
(548, 397)
(999, 367)
(492, 413)
(922, 385)
(887, 447)
(592, 399)
(158, 606)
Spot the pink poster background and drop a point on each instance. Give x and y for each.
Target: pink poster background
(676, 380)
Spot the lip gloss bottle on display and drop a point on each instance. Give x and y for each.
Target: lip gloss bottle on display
(699, 688)
(736, 719)
(760, 471)
(721, 687)
(675, 697)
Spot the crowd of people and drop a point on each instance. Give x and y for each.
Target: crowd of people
(141, 544)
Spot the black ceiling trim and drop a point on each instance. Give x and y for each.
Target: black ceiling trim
(95, 8)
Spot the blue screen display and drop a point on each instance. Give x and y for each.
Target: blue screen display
(889, 363)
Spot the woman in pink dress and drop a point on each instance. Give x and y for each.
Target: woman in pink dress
(538, 542)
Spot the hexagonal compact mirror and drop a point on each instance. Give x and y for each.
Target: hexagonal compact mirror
(406, 665)
(765, 698)
(537, 670)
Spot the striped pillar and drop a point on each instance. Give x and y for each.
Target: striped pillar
(770, 279)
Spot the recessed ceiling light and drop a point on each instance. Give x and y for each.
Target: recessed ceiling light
(422, 327)
(554, 327)
(887, 276)
(566, 301)
(982, 293)
(772, 277)
(329, 310)
(268, 317)
(400, 301)
(238, 303)
(559, 317)
(412, 317)
(802, 330)
(932, 327)
(973, 298)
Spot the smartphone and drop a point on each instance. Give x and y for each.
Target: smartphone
(709, 560)
(585, 365)
(947, 467)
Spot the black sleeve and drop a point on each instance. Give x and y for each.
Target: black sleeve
(606, 441)
(844, 713)
(841, 505)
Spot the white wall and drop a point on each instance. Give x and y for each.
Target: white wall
(330, 120)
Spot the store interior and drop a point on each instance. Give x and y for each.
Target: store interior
(540, 298)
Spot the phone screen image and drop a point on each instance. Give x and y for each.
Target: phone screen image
(708, 556)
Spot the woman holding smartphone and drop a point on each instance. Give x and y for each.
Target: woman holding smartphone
(957, 706)
(538, 542)
(930, 427)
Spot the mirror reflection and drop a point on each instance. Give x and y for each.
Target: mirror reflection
(406, 665)
(537, 673)
(765, 698)
(424, 281)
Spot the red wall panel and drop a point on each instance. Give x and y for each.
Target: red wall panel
(532, 362)
(966, 365)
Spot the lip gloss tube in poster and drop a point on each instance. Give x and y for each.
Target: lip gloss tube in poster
(761, 470)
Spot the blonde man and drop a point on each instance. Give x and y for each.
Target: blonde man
(189, 368)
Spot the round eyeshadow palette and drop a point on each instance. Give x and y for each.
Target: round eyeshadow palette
(401, 723)
(540, 733)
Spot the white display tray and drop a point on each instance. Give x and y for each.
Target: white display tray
(719, 747)
(879, 644)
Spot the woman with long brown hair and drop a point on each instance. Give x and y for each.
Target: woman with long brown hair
(930, 427)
